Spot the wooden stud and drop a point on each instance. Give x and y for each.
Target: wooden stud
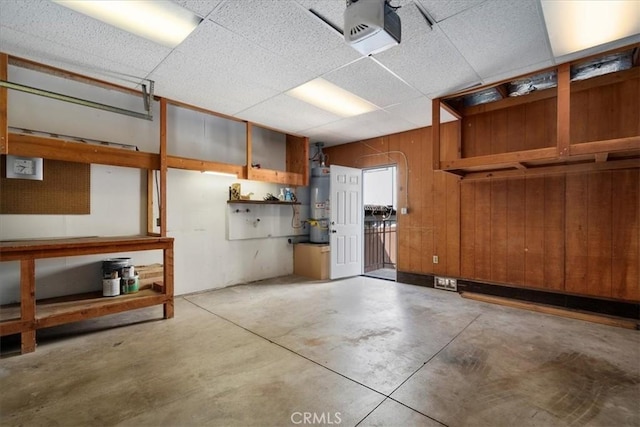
(249, 153)
(162, 197)
(435, 133)
(150, 192)
(563, 139)
(28, 303)
(167, 260)
(4, 127)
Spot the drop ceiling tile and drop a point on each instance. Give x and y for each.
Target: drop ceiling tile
(498, 36)
(372, 82)
(287, 113)
(418, 112)
(443, 9)
(226, 55)
(209, 87)
(364, 126)
(47, 52)
(62, 27)
(283, 27)
(429, 63)
(201, 8)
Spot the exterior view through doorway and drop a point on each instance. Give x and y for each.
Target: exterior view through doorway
(380, 226)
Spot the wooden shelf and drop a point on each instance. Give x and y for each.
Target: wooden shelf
(28, 316)
(261, 202)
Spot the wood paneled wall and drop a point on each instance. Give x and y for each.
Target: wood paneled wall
(522, 127)
(575, 233)
(432, 226)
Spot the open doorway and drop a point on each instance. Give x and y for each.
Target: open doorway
(379, 196)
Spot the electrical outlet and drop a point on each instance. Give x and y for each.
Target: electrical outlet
(404, 211)
(435, 259)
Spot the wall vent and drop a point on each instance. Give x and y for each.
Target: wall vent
(445, 283)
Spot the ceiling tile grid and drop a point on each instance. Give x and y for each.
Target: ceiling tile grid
(499, 36)
(54, 25)
(371, 82)
(429, 63)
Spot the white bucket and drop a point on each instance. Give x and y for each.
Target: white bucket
(110, 287)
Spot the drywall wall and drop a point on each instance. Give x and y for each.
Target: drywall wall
(196, 203)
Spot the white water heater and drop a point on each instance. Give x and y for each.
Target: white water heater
(319, 209)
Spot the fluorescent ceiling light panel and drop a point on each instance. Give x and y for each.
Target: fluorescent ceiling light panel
(160, 21)
(231, 175)
(330, 97)
(575, 25)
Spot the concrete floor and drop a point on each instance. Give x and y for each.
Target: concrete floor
(360, 351)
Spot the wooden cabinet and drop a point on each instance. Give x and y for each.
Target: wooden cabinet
(31, 315)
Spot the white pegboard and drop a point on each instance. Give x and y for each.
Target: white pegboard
(260, 221)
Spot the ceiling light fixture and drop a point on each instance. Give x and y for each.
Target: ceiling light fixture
(160, 21)
(575, 25)
(330, 97)
(230, 175)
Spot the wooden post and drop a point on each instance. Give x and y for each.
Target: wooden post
(150, 216)
(563, 141)
(249, 157)
(167, 255)
(162, 197)
(4, 128)
(28, 303)
(435, 133)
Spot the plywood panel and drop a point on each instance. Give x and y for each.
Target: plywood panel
(469, 141)
(499, 230)
(499, 131)
(483, 230)
(627, 98)
(599, 234)
(576, 223)
(534, 232)
(453, 225)
(467, 229)
(626, 234)
(579, 119)
(515, 231)
(534, 129)
(515, 128)
(440, 221)
(483, 135)
(554, 232)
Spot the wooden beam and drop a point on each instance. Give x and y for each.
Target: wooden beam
(507, 159)
(563, 138)
(185, 163)
(150, 191)
(435, 133)
(167, 288)
(519, 165)
(249, 133)
(556, 311)
(28, 303)
(607, 146)
(551, 170)
(71, 151)
(601, 157)
(278, 177)
(69, 75)
(162, 197)
(455, 113)
(202, 110)
(4, 127)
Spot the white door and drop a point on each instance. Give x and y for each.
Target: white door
(345, 228)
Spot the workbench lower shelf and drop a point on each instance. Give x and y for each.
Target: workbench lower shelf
(29, 315)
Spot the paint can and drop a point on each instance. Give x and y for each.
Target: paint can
(129, 285)
(110, 287)
(109, 266)
(128, 272)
